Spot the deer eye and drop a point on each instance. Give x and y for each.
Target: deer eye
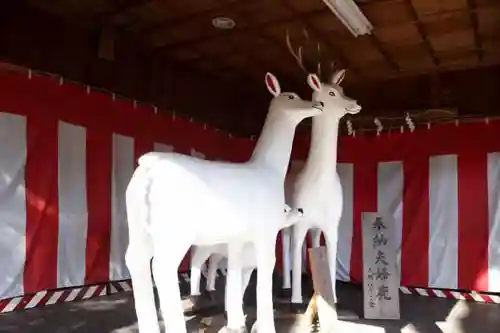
(331, 93)
(291, 97)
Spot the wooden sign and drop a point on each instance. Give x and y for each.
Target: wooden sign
(380, 274)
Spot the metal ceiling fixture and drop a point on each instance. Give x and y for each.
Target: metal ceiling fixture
(350, 15)
(223, 23)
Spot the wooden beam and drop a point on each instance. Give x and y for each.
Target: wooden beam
(283, 76)
(224, 6)
(235, 30)
(421, 31)
(123, 7)
(472, 6)
(392, 63)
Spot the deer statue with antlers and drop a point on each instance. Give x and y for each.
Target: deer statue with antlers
(317, 190)
(174, 201)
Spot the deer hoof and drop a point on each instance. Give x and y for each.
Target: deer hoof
(298, 307)
(225, 329)
(285, 293)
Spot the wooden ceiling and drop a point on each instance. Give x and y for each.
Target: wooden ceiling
(413, 41)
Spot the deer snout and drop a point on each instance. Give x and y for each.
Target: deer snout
(319, 105)
(354, 108)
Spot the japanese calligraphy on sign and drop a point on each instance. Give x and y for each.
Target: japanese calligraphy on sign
(381, 277)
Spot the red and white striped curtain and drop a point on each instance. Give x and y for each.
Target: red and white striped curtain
(67, 154)
(442, 185)
(66, 157)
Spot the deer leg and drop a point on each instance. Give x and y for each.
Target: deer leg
(165, 266)
(299, 233)
(234, 294)
(198, 258)
(331, 237)
(286, 266)
(266, 259)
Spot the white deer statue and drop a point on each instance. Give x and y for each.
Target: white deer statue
(175, 201)
(215, 253)
(317, 190)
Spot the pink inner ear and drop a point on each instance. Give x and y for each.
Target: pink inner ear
(270, 83)
(315, 81)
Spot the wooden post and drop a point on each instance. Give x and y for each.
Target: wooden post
(322, 303)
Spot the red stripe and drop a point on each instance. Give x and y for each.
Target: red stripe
(487, 298)
(308, 246)
(42, 206)
(364, 200)
(473, 224)
(141, 146)
(99, 165)
(415, 232)
(4, 303)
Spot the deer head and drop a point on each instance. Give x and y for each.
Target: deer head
(290, 104)
(331, 94)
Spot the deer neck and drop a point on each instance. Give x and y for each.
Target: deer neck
(274, 146)
(322, 155)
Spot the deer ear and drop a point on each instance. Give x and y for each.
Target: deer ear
(338, 77)
(314, 82)
(272, 84)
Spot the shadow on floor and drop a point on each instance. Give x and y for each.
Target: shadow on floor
(115, 314)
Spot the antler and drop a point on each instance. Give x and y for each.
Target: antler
(298, 56)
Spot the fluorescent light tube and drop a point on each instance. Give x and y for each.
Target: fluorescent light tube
(350, 15)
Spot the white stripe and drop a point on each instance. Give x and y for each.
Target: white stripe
(346, 174)
(112, 289)
(439, 293)
(125, 286)
(73, 294)
(36, 299)
(12, 204)
(90, 292)
(13, 303)
(495, 298)
(123, 168)
(73, 216)
(103, 292)
(421, 291)
(390, 199)
(405, 290)
(443, 222)
(457, 295)
(476, 296)
(54, 298)
(163, 147)
(494, 222)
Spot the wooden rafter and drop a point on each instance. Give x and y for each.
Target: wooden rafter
(244, 76)
(235, 30)
(190, 17)
(472, 6)
(262, 65)
(392, 63)
(106, 17)
(423, 34)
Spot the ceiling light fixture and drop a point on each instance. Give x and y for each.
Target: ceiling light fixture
(223, 23)
(351, 16)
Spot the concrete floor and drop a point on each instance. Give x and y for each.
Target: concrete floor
(115, 314)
